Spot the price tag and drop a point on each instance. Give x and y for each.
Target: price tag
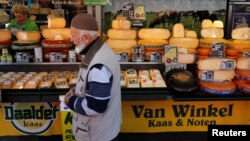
(155, 57)
(122, 57)
(56, 57)
(207, 76)
(171, 54)
(227, 65)
(22, 57)
(218, 50)
(246, 54)
(128, 10)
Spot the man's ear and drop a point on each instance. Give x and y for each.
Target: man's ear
(86, 38)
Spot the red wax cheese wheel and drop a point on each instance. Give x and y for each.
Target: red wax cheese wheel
(222, 88)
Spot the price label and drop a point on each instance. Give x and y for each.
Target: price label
(218, 50)
(122, 57)
(128, 10)
(140, 12)
(227, 65)
(171, 54)
(22, 56)
(56, 57)
(207, 76)
(246, 54)
(155, 57)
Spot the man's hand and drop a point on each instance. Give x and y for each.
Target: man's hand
(68, 95)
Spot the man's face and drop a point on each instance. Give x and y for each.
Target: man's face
(78, 40)
(20, 17)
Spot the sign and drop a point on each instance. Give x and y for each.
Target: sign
(95, 2)
(29, 119)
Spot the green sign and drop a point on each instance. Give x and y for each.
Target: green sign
(95, 2)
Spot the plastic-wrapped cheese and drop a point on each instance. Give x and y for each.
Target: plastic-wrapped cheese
(243, 63)
(133, 82)
(146, 83)
(159, 83)
(121, 24)
(241, 33)
(154, 33)
(28, 35)
(216, 64)
(59, 34)
(206, 23)
(56, 22)
(212, 33)
(5, 35)
(218, 76)
(122, 34)
(184, 42)
(178, 30)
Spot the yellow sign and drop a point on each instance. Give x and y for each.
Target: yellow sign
(29, 119)
(175, 116)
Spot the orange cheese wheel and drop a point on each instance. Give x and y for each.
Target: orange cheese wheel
(243, 75)
(222, 88)
(28, 36)
(152, 42)
(243, 63)
(187, 50)
(202, 57)
(60, 33)
(242, 86)
(56, 22)
(203, 51)
(239, 44)
(5, 35)
(154, 33)
(184, 42)
(231, 52)
(208, 42)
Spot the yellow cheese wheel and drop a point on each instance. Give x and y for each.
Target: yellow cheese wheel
(206, 23)
(121, 34)
(121, 24)
(5, 35)
(183, 58)
(178, 30)
(56, 22)
(242, 33)
(184, 42)
(212, 33)
(190, 34)
(216, 64)
(207, 42)
(29, 36)
(60, 33)
(121, 44)
(218, 24)
(222, 75)
(152, 42)
(239, 44)
(243, 63)
(154, 33)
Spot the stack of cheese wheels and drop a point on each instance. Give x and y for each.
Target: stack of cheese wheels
(5, 38)
(242, 75)
(56, 38)
(153, 40)
(240, 41)
(121, 38)
(215, 75)
(187, 43)
(211, 32)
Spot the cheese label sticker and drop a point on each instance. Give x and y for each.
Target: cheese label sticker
(207, 76)
(227, 65)
(171, 53)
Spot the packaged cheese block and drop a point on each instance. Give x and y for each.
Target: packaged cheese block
(243, 75)
(7, 84)
(46, 84)
(123, 80)
(242, 86)
(5, 35)
(121, 24)
(184, 42)
(18, 85)
(212, 33)
(220, 88)
(208, 42)
(190, 34)
(240, 45)
(131, 73)
(57, 34)
(133, 82)
(178, 30)
(147, 83)
(31, 84)
(159, 83)
(243, 63)
(216, 76)
(154, 33)
(154, 72)
(242, 33)
(206, 23)
(56, 22)
(61, 84)
(216, 64)
(218, 24)
(28, 36)
(143, 73)
(122, 34)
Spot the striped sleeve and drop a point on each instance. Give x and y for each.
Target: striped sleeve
(97, 92)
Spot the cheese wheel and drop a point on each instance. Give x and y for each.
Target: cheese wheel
(223, 88)
(183, 58)
(121, 44)
(243, 86)
(28, 36)
(231, 52)
(216, 76)
(187, 50)
(56, 22)
(204, 51)
(216, 64)
(190, 34)
(206, 23)
(242, 33)
(212, 33)
(121, 34)
(60, 34)
(152, 42)
(5, 35)
(121, 24)
(178, 30)
(240, 45)
(184, 42)
(154, 33)
(208, 42)
(243, 63)
(218, 24)
(243, 75)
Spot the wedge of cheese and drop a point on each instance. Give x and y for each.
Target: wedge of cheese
(216, 64)
(184, 42)
(243, 63)
(56, 22)
(28, 36)
(154, 33)
(178, 30)
(121, 24)
(216, 76)
(212, 33)
(5, 35)
(57, 34)
(122, 34)
(242, 33)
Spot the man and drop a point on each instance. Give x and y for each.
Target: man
(96, 99)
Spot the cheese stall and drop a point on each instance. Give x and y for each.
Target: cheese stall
(178, 78)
